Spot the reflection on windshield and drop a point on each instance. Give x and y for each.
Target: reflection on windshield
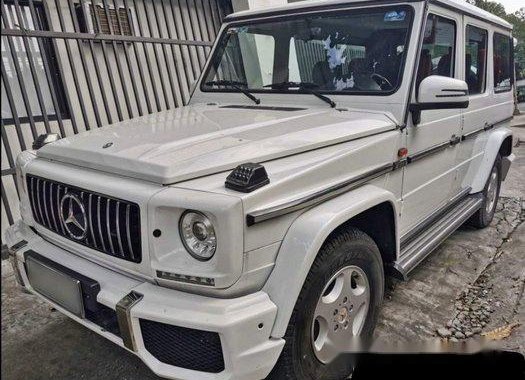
(355, 51)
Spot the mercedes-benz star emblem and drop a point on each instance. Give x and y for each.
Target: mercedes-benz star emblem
(73, 216)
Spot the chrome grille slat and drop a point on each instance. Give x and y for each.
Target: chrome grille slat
(108, 226)
(119, 238)
(128, 231)
(58, 210)
(46, 204)
(87, 216)
(90, 218)
(104, 218)
(41, 216)
(99, 219)
(51, 206)
(33, 202)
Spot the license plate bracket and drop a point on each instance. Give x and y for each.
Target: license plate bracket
(63, 286)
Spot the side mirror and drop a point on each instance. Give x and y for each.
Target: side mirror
(437, 93)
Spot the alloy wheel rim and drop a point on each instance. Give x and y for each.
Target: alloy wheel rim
(340, 313)
(492, 192)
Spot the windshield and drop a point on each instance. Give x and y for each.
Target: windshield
(351, 52)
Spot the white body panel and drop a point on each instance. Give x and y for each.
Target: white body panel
(492, 142)
(189, 142)
(305, 238)
(325, 165)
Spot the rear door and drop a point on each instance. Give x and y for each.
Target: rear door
(429, 176)
(487, 69)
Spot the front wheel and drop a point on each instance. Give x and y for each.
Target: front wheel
(340, 300)
(485, 214)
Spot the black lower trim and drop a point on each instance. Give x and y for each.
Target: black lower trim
(505, 166)
(317, 197)
(183, 347)
(487, 127)
(472, 134)
(427, 152)
(451, 95)
(104, 317)
(17, 246)
(439, 105)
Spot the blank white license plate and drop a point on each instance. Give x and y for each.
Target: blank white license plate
(58, 287)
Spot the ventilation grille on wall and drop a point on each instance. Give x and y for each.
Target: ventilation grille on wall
(104, 20)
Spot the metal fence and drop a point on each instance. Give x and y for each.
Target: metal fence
(74, 65)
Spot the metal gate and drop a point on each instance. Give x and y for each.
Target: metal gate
(74, 65)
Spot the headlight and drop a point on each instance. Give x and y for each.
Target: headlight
(198, 235)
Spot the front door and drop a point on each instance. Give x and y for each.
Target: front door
(430, 174)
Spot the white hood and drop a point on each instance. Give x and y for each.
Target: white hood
(199, 140)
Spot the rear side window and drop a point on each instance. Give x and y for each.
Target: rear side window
(476, 59)
(438, 50)
(502, 63)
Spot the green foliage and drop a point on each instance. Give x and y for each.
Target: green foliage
(490, 6)
(517, 19)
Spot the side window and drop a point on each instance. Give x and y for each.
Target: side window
(502, 63)
(476, 59)
(438, 50)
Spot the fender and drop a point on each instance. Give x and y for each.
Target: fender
(492, 147)
(303, 241)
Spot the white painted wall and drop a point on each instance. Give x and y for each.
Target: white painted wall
(242, 5)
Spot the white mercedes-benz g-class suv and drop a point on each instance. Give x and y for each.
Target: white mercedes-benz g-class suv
(326, 145)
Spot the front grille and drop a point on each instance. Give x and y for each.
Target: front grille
(107, 224)
(183, 347)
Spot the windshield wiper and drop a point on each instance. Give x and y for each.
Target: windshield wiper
(236, 85)
(306, 86)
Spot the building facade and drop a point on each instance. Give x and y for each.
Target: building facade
(73, 65)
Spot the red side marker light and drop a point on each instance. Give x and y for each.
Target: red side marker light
(403, 152)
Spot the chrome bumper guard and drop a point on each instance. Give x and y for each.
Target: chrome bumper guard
(123, 310)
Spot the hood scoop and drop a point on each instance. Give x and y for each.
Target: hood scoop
(247, 178)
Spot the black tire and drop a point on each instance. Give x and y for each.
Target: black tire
(348, 247)
(483, 217)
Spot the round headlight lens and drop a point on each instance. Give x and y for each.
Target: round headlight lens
(198, 235)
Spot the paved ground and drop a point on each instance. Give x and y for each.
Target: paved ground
(475, 278)
(521, 107)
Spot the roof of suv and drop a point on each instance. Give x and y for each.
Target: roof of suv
(460, 5)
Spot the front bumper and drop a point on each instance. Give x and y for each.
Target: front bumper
(243, 324)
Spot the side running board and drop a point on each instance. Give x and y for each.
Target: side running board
(420, 247)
